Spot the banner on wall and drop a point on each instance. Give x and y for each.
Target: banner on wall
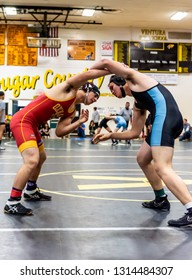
(2, 55)
(165, 79)
(81, 50)
(106, 48)
(18, 54)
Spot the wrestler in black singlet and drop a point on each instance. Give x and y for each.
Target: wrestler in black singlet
(167, 121)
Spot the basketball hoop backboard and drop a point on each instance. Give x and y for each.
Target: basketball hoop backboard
(35, 42)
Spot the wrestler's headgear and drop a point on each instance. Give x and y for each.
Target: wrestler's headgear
(88, 87)
(119, 81)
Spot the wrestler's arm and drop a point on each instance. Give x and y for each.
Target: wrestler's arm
(76, 81)
(80, 79)
(138, 122)
(115, 67)
(110, 117)
(65, 125)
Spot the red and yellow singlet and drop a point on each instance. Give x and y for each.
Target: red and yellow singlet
(25, 123)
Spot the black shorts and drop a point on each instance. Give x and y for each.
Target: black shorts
(103, 123)
(96, 125)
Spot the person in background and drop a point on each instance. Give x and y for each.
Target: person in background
(81, 131)
(156, 152)
(121, 125)
(91, 128)
(7, 125)
(126, 113)
(45, 130)
(2, 118)
(58, 102)
(104, 124)
(95, 117)
(186, 133)
(148, 124)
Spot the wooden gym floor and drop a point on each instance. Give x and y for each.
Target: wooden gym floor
(95, 212)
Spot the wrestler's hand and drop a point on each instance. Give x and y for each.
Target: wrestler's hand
(101, 137)
(125, 65)
(84, 116)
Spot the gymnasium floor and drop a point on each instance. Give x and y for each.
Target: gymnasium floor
(95, 212)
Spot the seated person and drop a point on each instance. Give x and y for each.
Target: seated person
(92, 128)
(7, 126)
(148, 124)
(186, 133)
(44, 130)
(81, 131)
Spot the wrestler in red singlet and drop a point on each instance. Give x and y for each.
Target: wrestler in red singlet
(25, 123)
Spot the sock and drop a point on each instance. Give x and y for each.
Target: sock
(188, 206)
(31, 185)
(160, 193)
(15, 194)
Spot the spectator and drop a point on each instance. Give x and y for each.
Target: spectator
(81, 131)
(7, 126)
(126, 113)
(92, 128)
(95, 117)
(186, 133)
(148, 124)
(45, 130)
(2, 118)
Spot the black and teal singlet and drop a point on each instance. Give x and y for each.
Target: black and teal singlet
(167, 121)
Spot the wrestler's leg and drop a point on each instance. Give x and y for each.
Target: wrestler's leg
(32, 192)
(2, 129)
(162, 157)
(144, 159)
(30, 161)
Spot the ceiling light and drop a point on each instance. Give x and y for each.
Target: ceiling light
(88, 12)
(178, 15)
(10, 11)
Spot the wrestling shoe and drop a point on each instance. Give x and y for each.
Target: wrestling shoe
(185, 221)
(2, 148)
(17, 209)
(36, 196)
(115, 143)
(161, 204)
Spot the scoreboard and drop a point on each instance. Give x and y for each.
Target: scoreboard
(155, 57)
